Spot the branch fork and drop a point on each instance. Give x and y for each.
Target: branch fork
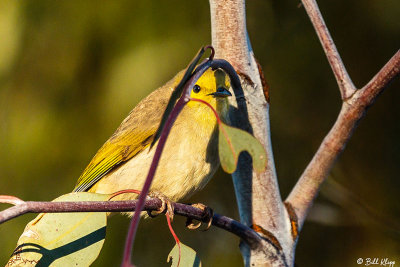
(259, 201)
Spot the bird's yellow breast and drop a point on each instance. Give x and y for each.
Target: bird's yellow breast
(188, 162)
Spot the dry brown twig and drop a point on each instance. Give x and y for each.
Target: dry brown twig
(343, 79)
(355, 104)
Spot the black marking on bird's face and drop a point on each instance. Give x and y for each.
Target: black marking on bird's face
(196, 88)
(221, 92)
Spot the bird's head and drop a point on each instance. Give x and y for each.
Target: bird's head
(213, 88)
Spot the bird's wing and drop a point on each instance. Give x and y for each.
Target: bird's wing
(112, 154)
(134, 134)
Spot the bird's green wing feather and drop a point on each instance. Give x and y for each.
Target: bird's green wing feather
(134, 135)
(112, 154)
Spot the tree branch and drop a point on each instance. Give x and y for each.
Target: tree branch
(306, 189)
(257, 194)
(245, 233)
(343, 79)
(258, 197)
(376, 85)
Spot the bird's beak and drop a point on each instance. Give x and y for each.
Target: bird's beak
(221, 92)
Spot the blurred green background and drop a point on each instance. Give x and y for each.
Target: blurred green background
(70, 71)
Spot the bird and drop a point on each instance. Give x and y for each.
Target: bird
(190, 156)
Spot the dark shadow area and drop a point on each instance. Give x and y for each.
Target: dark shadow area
(51, 255)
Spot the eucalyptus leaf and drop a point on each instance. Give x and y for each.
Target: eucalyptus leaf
(62, 239)
(232, 141)
(189, 257)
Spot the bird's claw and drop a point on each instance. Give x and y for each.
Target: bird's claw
(166, 205)
(209, 213)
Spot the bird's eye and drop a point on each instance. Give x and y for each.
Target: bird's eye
(196, 89)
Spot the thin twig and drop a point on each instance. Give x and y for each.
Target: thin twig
(159, 149)
(376, 85)
(306, 189)
(245, 233)
(343, 79)
(10, 200)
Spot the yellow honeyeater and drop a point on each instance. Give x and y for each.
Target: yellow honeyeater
(190, 156)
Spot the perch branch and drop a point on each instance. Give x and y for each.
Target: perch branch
(245, 233)
(352, 111)
(346, 86)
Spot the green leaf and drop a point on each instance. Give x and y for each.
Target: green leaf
(232, 141)
(62, 239)
(189, 257)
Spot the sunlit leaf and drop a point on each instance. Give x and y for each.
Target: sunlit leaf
(232, 142)
(62, 239)
(189, 257)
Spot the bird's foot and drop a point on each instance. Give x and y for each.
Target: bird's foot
(166, 205)
(209, 213)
